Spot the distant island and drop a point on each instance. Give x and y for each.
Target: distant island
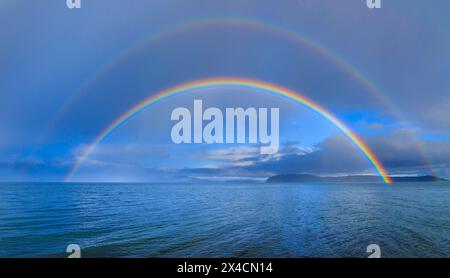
(301, 178)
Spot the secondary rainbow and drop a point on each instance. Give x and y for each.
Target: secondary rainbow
(230, 23)
(232, 82)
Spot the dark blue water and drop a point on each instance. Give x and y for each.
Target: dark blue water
(225, 220)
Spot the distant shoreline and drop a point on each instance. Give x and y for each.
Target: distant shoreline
(299, 178)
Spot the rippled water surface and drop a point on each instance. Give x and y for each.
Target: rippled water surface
(225, 220)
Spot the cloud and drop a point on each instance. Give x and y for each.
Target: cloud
(336, 155)
(403, 152)
(250, 155)
(400, 153)
(238, 156)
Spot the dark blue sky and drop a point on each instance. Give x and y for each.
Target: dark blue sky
(66, 74)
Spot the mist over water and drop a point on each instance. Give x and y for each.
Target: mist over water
(225, 220)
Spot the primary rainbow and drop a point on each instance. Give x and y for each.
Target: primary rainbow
(232, 82)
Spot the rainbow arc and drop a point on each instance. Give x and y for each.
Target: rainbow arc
(239, 83)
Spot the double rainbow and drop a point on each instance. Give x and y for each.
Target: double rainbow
(232, 82)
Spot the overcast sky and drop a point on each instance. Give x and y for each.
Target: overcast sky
(65, 75)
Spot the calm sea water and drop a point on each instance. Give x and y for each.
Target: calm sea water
(225, 220)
